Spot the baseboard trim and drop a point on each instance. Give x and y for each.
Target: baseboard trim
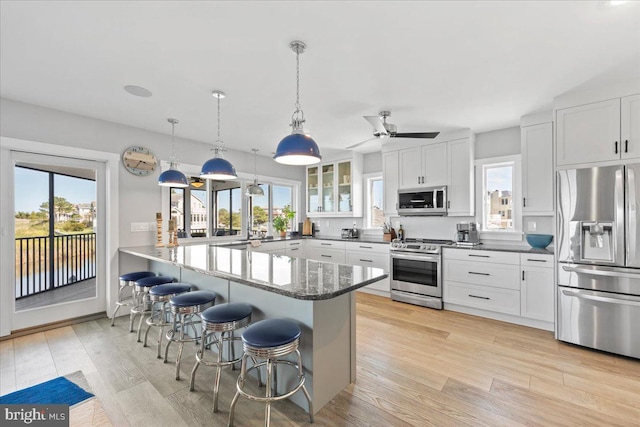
(53, 325)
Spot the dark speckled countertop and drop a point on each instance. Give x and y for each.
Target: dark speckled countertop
(504, 248)
(297, 277)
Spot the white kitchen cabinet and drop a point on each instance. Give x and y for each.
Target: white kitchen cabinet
(630, 126)
(335, 188)
(276, 248)
(295, 248)
(592, 132)
(461, 177)
(537, 287)
(370, 255)
(536, 144)
(424, 166)
(390, 183)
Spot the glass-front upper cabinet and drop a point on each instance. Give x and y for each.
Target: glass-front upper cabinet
(335, 188)
(328, 181)
(344, 187)
(313, 181)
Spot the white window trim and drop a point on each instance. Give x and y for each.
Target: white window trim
(244, 179)
(516, 233)
(366, 217)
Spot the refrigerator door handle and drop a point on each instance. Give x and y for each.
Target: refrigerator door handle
(618, 235)
(632, 216)
(609, 272)
(601, 299)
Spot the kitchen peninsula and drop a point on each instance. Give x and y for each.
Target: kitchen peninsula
(318, 295)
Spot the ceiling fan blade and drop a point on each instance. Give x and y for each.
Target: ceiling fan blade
(416, 135)
(377, 124)
(361, 143)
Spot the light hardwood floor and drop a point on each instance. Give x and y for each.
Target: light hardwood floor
(415, 366)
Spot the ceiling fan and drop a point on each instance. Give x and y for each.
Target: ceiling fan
(382, 129)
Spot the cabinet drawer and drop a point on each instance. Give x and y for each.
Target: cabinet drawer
(382, 248)
(326, 244)
(296, 251)
(328, 255)
(368, 259)
(480, 255)
(295, 243)
(536, 260)
(483, 297)
(483, 273)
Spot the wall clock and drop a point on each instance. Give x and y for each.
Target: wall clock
(139, 160)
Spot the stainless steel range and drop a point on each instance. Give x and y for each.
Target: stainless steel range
(416, 271)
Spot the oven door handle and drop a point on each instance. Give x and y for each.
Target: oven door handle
(417, 257)
(602, 299)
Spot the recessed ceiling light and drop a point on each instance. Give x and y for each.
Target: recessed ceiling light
(138, 91)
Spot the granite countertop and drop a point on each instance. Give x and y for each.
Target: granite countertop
(504, 248)
(298, 278)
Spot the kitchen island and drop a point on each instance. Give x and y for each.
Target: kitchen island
(317, 295)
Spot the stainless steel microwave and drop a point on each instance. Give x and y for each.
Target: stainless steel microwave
(422, 201)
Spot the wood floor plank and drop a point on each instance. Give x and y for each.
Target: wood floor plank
(415, 366)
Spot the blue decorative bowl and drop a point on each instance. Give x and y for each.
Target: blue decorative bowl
(539, 241)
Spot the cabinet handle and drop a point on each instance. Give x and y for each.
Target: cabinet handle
(480, 256)
(325, 244)
(536, 260)
(448, 204)
(295, 249)
(418, 180)
(523, 275)
(616, 145)
(524, 202)
(366, 260)
(479, 274)
(476, 296)
(626, 145)
(293, 244)
(366, 247)
(423, 179)
(326, 256)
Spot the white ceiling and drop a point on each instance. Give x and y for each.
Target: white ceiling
(435, 65)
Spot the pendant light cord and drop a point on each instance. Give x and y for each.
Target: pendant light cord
(297, 79)
(173, 142)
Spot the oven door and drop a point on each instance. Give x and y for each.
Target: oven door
(416, 273)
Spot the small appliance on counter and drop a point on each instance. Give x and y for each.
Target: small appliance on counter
(467, 234)
(350, 233)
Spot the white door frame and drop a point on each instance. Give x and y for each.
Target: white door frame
(107, 259)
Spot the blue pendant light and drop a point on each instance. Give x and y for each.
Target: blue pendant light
(298, 148)
(217, 167)
(173, 177)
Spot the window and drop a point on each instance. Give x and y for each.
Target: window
(499, 184)
(228, 212)
(191, 216)
(374, 199)
(265, 208)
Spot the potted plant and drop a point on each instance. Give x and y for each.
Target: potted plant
(281, 223)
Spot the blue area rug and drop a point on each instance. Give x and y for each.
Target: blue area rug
(56, 391)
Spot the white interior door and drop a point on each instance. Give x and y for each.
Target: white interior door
(60, 276)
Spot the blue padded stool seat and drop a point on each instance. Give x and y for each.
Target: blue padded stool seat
(169, 289)
(160, 296)
(136, 275)
(226, 313)
(195, 298)
(142, 303)
(127, 280)
(271, 340)
(271, 333)
(186, 309)
(219, 324)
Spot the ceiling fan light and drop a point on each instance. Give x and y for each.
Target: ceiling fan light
(297, 149)
(172, 177)
(218, 168)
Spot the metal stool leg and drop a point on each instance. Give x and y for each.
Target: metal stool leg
(192, 381)
(172, 332)
(267, 409)
(239, 386)
(180, 346)
(304, 389)
(118, 305)
(216, 383)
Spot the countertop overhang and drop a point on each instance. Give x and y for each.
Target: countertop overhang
(298, 278)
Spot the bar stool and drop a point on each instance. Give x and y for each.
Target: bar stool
(221, 319)
(127, 280)
(160, 296)
(270, 339)
(184, 307)
(141, 301)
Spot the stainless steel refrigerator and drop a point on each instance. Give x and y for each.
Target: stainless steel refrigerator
(598, 258)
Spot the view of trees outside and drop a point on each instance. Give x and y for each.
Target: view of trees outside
(229, 206)
(260, 210)
(377, 208)
(282, 196)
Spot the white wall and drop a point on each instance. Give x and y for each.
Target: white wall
(140, 197)
(496, 143)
